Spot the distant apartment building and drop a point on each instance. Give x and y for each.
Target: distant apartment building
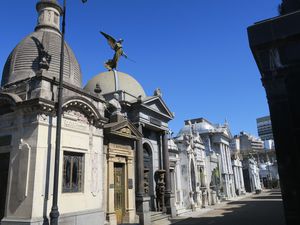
(249, 142)
(264, 128)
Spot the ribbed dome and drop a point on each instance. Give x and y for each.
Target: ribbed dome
(23, 62)
(108, 84)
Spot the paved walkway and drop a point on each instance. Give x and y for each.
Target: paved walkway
(256, 209)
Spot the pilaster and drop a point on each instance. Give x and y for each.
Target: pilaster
(169, 196)
(142, 202)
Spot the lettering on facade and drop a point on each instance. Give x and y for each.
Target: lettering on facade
(130, 183)
(155, 121)
(116, 146)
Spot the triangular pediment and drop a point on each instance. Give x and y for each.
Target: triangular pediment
(156, 104)
(123, 128)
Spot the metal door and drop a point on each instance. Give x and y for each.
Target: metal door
(119, 191)
(4, 163)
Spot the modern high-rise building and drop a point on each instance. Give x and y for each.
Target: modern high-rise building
(264, 128)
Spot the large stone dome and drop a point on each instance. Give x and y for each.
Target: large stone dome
(109, 83)
(25, 59)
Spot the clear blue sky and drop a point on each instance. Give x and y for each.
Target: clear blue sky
(196, 51)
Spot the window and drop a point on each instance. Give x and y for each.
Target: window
(73, 172)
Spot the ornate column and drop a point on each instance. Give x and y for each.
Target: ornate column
(142, 202)
(130, 188)
(111, 216)
(158, 137)
(140, 165)
(169, 196)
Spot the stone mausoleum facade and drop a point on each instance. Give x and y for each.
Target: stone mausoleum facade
(114, 158)
(118, 163)
(207, 169)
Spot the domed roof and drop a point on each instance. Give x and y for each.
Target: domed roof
(28, 56)
(108, 84)
(23, 62)
(200, 127)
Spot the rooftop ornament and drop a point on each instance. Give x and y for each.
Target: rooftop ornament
(111, 64)
(288, 6)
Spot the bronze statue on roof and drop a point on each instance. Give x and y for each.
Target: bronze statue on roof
(111, 64)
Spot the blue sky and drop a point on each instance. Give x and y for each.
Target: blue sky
(195, 51)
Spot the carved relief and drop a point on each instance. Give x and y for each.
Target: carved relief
(125, 130)
(76, 116)
(146, 181)
(43, 118)
(49, 16)
(75, 120)
(88, 115)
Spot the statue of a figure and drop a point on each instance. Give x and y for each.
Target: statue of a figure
(288, 6)
(158, 92)
(117, 47)
(160, 189)
(146, 181)
(44, 57)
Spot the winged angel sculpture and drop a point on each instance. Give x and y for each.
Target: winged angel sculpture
(111, 64)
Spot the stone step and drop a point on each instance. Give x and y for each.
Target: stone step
(156, 216)
(182, 211)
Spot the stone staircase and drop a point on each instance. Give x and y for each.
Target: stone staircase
(156, 217)
(182, 211)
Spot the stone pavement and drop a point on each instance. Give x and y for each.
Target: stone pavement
(251, 209)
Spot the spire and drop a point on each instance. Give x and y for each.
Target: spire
(49, 12)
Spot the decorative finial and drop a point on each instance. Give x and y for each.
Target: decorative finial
(288, 6)
(97, 89)
(139, 99)
(158, 92)
(49, 14)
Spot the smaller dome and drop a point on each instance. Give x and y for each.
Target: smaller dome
(41, 50)
(23, 62)
(109, 83)
(202, 127)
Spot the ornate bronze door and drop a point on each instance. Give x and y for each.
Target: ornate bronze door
(119, 191)
(4, 163)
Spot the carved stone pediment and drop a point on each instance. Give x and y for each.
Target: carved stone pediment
(123, 128)
(156, 104)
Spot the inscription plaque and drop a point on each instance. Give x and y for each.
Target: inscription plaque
(130, 183)
(155, 121)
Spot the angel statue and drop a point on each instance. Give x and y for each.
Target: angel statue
(117, 47)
